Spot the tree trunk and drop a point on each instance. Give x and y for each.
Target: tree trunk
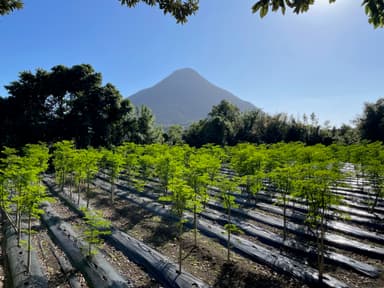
(229, 235)
(90, 245)
(285, 215)
(29, 242)
(377, 190)
(70, 187)
(87, 193)
(78, 194)
(195, 224)
(321, 240)
(112, 190)
(180, 244)
(18, 223)
(62, 181)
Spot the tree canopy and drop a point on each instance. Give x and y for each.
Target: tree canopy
(70, 103)
(7, 6)
(371, 124)
(182, 9)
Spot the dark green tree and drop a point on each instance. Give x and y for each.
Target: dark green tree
(371, 124)
(7, 6)
(147, 131)
(174, 135)
(69, 103)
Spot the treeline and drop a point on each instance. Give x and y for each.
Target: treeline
(226, 125)
(71, 103)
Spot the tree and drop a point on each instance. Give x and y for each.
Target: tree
(174, 135)
(147, 131)
(371, 124)
(96, 227)
(197, 177)
(114, 163)
(22, 179)
(373, 8)
(63, 162)
(227, 187)
(318, 173)
(181, 10)
(69, 103)
(7, 6)
(247, 161)
(221, 126)
(181, 198)
(90, 159)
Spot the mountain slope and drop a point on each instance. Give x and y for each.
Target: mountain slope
(184, 97)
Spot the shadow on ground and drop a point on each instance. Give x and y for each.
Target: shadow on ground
(232, 275)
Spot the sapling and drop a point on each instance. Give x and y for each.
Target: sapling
(90, 159)
(79, 173)
(114, 162)
(315, 189)
(227, 187)
(63, 161)
(23, 174)
(375, 172)
(181, 199)
(197, 177)
(96, 227)
(283, 180)
(129, 152)
(34, 197)
(146, 165)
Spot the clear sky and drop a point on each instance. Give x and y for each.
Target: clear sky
(328, 61)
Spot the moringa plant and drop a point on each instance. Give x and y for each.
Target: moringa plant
(228, 186)
(96, 226)
(181, 199)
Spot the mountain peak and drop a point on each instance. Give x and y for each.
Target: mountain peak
(184, 74)
(184, 97)
(186, 70)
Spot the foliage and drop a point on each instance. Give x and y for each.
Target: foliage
(71, 103)
(22, 191)
(371, 123)
(62, 156)
(225, 125)
(181, 199)
(197, 174)
(318, 173)
(228, 187)
(373, 8)
(95, 228)
(114, 163)
(7, 6)
(182, 9)
(179, 9)
(174, 135)
(248, 162)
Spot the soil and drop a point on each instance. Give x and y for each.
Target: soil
(48, 254)
(207, 261)
(122, 264)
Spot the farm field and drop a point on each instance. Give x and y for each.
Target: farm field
(248, 216)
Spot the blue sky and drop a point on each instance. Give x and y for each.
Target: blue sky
(328, 61)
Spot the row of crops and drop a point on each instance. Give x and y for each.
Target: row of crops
(314, 180)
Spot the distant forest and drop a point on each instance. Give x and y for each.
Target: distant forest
(70, 103)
